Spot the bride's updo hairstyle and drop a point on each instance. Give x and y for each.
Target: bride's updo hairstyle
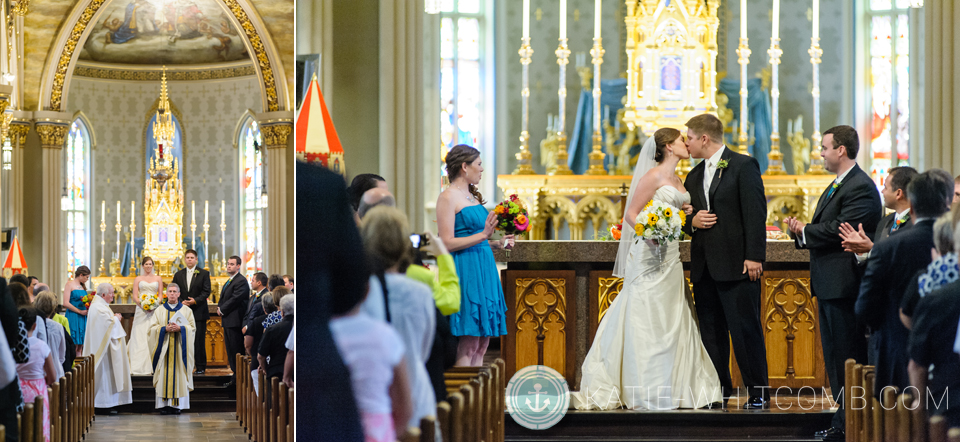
(456, 157)
(664, 137)
(144, 261)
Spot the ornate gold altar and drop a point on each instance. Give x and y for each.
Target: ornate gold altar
(671, 57)
(163, 195)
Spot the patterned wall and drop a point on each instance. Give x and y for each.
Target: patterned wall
(118, 112)
(795, 70)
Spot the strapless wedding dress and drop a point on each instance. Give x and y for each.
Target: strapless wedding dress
(141, 355)
(647, 353)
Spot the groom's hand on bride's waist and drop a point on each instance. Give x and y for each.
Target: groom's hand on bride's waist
(704, 220)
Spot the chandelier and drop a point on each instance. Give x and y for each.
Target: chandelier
(163, 133)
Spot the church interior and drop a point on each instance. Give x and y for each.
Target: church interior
(405, 82)
(147, 128)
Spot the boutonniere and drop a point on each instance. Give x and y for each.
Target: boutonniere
(196, 272)
(836, 186)
(722, 164)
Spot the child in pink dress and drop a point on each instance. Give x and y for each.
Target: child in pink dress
(39, 372)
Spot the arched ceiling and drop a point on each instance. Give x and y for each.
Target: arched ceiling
(205, 36)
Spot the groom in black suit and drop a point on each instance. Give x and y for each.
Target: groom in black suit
(727, 255)
(195, 289)
(834, 275)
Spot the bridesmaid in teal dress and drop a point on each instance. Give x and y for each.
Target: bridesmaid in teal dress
(465, 227)
(73, 293)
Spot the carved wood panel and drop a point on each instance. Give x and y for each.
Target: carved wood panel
(541, 311)
(216, 349)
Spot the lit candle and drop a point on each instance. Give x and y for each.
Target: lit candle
(103, 211)
(133, 209)
(776, 18)
(743, 18)
(118, 211)
(193, 212)
(206, 206)
(526, 18)
(563, 18)
(596, 18)
(816, 18)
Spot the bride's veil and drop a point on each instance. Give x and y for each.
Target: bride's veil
(645, 162)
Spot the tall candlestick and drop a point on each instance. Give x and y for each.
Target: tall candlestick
(596, 18)
(776, 19)
(775, 165)
(816, 18)
(103, 233)
(743, 18)
(103, 211)
(563, 19)
(193, 224)
(119, 227)
(206, 207)
(133, 208)
(133, 237)
(206, 235)
(223, 229)
(816, 161)
(526, 18)
(596, 154)
(743, 51)
(563, 58)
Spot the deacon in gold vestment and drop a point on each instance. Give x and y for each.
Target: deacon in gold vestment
(172, 329)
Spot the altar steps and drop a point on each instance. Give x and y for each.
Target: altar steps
(208, 395)
(673, 426)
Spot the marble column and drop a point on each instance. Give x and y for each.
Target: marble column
(401, 119)
(276, 127)
(53, 128)
(18, 138)
(942, 87)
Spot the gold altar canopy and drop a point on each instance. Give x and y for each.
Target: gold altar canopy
(671, 50)
(163, 195)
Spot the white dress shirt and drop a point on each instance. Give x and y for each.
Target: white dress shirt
(861, 257)
(803, 233)
(710, 168)
(189, 278)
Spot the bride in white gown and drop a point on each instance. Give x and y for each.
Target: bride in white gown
(141, 355)
(647, 353)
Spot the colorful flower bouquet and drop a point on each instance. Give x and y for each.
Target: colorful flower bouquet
(660, 222)
(149, 302)
(511, 218)
(87, 299)
(616, 230)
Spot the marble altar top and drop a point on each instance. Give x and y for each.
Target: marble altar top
(606, 251)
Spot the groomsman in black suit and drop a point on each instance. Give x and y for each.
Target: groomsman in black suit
(195, 282)
(254, 306)
(727, 255)
(892, 263)
(834, 276)
(234, 297)
(894, 196)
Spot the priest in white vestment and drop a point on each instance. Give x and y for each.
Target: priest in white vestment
(172, 329)
(106, 341)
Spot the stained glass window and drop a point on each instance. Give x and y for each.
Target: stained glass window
(77, 204)
(461, 76)
(889, 64)
(251, 197)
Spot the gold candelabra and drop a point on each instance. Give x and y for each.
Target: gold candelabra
(775, 166)
(524, 158)
(596, 155)
(816, 161)
(563, 58)
(223, 231)
(743, 52)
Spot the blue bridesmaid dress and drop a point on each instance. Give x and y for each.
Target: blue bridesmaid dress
(482, 307)
(78, 323)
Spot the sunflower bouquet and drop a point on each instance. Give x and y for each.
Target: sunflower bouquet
(660, 222)
(511, 217)
(148, 302)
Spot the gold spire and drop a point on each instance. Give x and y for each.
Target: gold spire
(163, 129)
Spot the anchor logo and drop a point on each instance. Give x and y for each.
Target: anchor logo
(538, 408)
(526, 407)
